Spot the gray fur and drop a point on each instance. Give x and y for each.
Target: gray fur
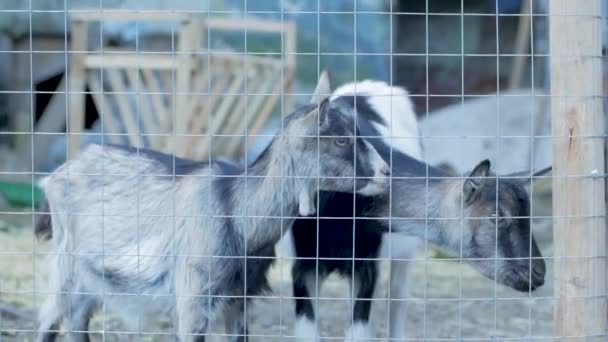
(132, 235)
(482, 218)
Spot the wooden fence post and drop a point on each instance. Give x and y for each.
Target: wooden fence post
(578, 164)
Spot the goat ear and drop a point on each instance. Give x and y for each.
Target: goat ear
(324, 113)
(526, 174)
(323, 89)
(526, 178)
(542, 172)
(307, 121)
(475, 180)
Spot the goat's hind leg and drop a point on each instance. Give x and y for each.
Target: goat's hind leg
(50, 318)
(80, 309)
(197, 302)
(51, 312)
(77, 315)
(363, 283)
(303, 284)
(194, 315)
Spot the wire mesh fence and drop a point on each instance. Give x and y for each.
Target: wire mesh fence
(302, 170)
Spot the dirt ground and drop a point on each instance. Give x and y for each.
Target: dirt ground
(449, 301)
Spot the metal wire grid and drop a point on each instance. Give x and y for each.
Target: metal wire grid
(426, 299)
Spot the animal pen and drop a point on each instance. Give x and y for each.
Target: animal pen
(466, 236)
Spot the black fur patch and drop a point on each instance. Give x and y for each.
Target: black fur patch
(42, 227)
(176, 165)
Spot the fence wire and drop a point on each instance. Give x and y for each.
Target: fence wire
(210, 82)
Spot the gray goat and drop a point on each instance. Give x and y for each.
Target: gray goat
(137, 231)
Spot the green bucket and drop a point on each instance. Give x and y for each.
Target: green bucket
(21, 194)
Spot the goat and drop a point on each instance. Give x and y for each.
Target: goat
(391, 113)
(141, 231)
(479, 204)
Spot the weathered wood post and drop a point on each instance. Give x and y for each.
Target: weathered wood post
(76, 86)
(578, 157)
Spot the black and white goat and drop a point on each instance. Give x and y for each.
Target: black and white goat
(140, 232)
(481, 219)
(391, 113)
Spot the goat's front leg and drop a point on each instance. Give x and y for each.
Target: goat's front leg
(78, 315)
(399, 293)
(51, 315)
(362, 283)
(193, 316)
(401, 250)
(303, 284)
(196, 301)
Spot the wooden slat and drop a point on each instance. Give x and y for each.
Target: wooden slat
(148, 123)
(216, 92)
(289, 50)
(232, 126)
(104, 108)
(160, 109)
(578, 170)
(201, 85)
(270, 103)
(127, 15)
(119, 93)
(218, 85)
(251, 25)
(183, 83)
(253, 107)
(288, 102)
(522, 41)
(121, 61)
(76, 87)
(253, 60)
(223, 111)
(168, 82)
(289, 46)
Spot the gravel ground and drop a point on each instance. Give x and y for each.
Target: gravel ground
(449, 302)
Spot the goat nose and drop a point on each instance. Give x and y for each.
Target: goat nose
(538, 282)
(538, 270)
(539, 267)
(538, 273)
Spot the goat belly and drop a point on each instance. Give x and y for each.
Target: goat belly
(238, 273)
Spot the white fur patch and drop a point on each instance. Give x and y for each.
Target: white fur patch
(371, 189)
(307, 206)
(380, 181)
(359, 332)
(395, 107)
(378, 164)
(306, 330)
(285, 248)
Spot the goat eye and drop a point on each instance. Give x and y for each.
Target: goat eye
(341, 142)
